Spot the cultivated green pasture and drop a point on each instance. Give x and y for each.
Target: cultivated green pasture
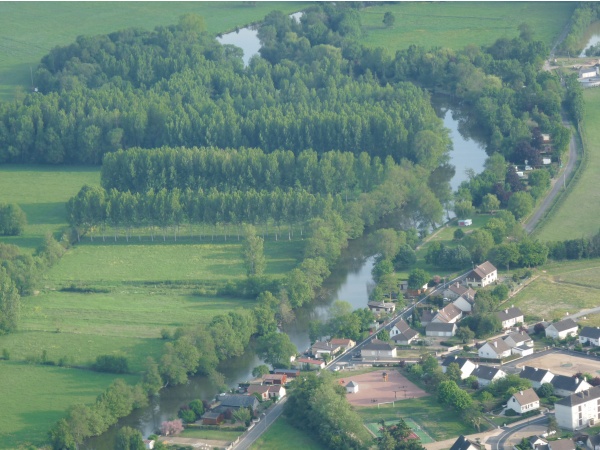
(28, 30)
(42, 192)
(35, 397)
(578, 214)
(281, 434)
(458, 24)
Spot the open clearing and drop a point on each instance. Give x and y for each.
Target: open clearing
(458, 24)
(564, 364)
(583, 201)
(372, 389)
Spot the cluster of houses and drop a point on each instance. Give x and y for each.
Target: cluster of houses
(516, 343)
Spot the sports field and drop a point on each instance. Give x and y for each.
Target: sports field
(565, 364)
(375, 428)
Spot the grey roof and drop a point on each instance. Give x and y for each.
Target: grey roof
(580, 397)
(402, 325)
(498, 345)
(482, 270)
(486, 372)
(594, 440)
(590, 332)
(376, 344)
(449, 312)
(510, 313)
(533, 373)
(351, 384)
(519, 338)
(562, 444)
(238, 401)
(526, 397)
(566, 383)
(462, 291)
(564, 325)
(439, 326)
(462, 443)
(386, 305)
(405, 335)
(211, 415)
(454, 359)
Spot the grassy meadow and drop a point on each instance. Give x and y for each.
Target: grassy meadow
(29, 30)
(35, 397)
(281, 434)
(458, 24)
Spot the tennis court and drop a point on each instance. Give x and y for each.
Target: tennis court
(374, 427)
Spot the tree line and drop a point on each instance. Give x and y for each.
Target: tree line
(332, 172)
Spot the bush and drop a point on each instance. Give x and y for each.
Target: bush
(458, 234)
(12, 220)
(111, 364)
(510, 413)
(186, 414)
(166, 334)
(5, 354)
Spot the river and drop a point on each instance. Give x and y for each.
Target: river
(591, 37)
(349, 280)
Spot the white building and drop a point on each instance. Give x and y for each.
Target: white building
(510, 317)
(462, 443)
(466, 366)
(524, 401)
(495, 349)
(379, 349)
(438, 329)
(448, 314)
(518, 339)
(351, 388)
(578, 410)
(482, 275)
(536, 376)
(456, 290)
(587, 72)
(382, 307)
(464, 304)
(590, 335)
(565, 386)
(402, 333)
(486, 375)
(562, 329)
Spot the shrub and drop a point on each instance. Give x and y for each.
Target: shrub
(186, 414)
(458, 234)
(5, 354)
(510, 413)
(111, 364)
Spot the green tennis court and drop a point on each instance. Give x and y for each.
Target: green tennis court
(423, 436)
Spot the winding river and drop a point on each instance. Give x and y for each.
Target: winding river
(349, 279)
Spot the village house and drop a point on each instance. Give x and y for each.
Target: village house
(437, 329)
(462, 443)
(562, 444)
(275, 378)
(578, 410)
(236, 401)
(426, 316)
(382, 307)
(518, 339)
(343, 344)
(587, 72)
(562, 329)
(524, 401)
(466, 367)
(310, 364)
(537, 442)
(486, 374)
(465, 304)
(564, 386)
(267, 392)
(291, 373)
(590, 335)
(510, 317)
(320, 348)
(456, 290)
(402, 334)
(482, 275)
(380, 349)
(465, 222)
(536, 376)
(212, 418)
(495, 349)
(448, 314)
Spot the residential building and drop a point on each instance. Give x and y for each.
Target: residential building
(536, 376)
(482, 275)
(593, 442)
(564, 386)
(523, 350)
(524, 401)
(456, 290)
(462, 443)
(562, 329)
(538, 443)
(426, 316)
(587, 72)
(465, 222)
(402, 333)
(510, 317)
(235, 401)
(495, 349)
(212, 418)
(465, 304)
(343, 344)
(275, 378)
(448, 314)
(261, 389)
(380, 349)
(351, 387)
(382, 307)
(320, 348)
(291, 373)
(308, 363)
(578, 410)
(437, 329)
(486, 374)
(562, 444)
(518, 339)
(590, 335)
(466, 366)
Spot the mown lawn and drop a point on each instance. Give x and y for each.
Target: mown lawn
(458, 24)
(35, 397)
(282, 434)
(42, 192)
(577, 215)
(217, 435)
(29, 30)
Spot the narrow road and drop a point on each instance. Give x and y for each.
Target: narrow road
(498, 442)
(558, 185)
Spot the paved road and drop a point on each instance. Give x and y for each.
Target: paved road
(246, 441)
(558, 184)
(499, 442)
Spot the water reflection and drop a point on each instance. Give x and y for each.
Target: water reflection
(591, 37)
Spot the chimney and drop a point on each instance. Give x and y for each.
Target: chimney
(521, 392)
(577, 380)
(495, 344)
(536, 369)
(506, 311)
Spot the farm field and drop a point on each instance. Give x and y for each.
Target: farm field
(561, 224)
(30, 29)
(281, 433)
(458, 24)
(42, 192)
(38, 396)
(561, 288)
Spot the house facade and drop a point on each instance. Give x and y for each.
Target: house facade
(562, 329)
(579, 410)
(308, 363)
(343, 344)
(448, 314)
(402, 333)
(464, 304)
(510, 317)
(495, 349)
(466, 366)
(524, 401)
(462, 443)
(379, 349)
(565, 386)
(518, 339)
(482, 275)
(590, 335)
(536, 376)
(437, 329)
(456, 290)
(352, 387)
(382, 307)
(486, 374)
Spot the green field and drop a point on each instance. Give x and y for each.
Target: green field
(35, 397)
(458, 24)
(583, 200)
(214, 435)
(42, 191)
(28, 30)
(375, 428)
(281, 434)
